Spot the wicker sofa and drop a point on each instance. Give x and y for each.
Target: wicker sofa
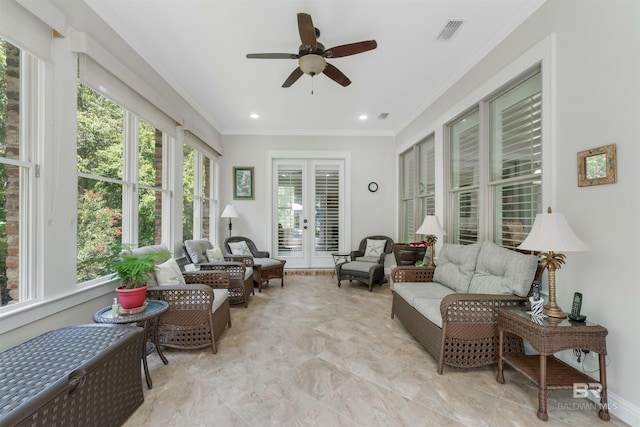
(452, 310)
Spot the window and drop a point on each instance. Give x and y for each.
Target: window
(18, 74)
(197, 187)
(465, 177)
(120, 194)
(100, 181)
(507, 186)
(150, 193)
(417, 187)
(516, 160)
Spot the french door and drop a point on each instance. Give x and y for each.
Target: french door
(308, 203)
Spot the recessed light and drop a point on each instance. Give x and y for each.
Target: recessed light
(254, 115)
(363, 117)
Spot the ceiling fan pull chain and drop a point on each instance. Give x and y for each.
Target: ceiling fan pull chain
(312, 85)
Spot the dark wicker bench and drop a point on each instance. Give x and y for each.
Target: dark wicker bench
(87, 375)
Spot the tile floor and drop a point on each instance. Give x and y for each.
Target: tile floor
(313, 354)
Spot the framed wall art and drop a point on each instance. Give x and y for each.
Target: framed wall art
(597, 166)
(243, 183)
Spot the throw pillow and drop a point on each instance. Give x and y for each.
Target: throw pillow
(375, 247)
(239, 248)
(215, 254)
(168, 273)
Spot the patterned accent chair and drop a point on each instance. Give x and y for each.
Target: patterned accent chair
(264, 267)
(367, 262)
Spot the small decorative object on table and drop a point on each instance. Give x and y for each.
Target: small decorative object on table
(537, 306)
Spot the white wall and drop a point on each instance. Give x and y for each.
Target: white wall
(596, 101)
(372, 159)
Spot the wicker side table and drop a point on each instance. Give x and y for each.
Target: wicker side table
(548, 337)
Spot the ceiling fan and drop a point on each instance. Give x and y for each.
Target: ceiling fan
(312, 55)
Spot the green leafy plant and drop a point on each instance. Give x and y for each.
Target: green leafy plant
(134, 270)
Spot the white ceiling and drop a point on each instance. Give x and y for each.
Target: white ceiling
(199, 47)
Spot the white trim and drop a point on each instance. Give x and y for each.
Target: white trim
(47, 13)
(315, 155)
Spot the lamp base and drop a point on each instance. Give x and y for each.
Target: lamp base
(554, 312)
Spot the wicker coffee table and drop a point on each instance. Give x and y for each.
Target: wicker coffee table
(148, 319)
(547, 337)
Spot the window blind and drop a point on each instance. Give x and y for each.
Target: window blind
(407, 191)
(465, 176)
(327, 209)
(516, 159)
(427, 178)
(289, 208)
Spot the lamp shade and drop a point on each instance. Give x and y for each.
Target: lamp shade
(551, 232)
(431, 226)
(229, 212)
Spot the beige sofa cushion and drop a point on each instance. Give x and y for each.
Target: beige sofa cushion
(429, 308)
(456, 265)
(409, 291)
(502, 271)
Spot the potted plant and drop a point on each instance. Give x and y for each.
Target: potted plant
(134, 271)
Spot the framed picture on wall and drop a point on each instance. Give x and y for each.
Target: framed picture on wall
(243, 183)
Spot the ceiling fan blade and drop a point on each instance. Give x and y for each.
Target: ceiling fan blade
(336, 75)
(307, 30)
(272, 56)
(350, 49)
(293, 77)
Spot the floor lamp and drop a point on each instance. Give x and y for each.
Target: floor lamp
(229, 212)
(550, 233)
(431, 228)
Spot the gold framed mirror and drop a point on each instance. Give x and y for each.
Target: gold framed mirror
(597, 166)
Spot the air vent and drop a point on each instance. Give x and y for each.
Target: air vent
(449, 30)
(383, 116)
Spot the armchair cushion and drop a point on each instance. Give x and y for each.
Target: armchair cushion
(267, 262)
(456, 265)
(239, 248)
(197, 250)
(219, 298)
(215, 254)
(168, 273)
(374, 248)
(368, 258)
(503, 271)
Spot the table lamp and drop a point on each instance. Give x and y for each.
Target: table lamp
(550, 233)
(431, 228)
(229, 212)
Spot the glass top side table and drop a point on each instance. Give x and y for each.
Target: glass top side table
(339, 258)
(149, 320)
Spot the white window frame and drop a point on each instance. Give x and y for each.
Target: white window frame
(486, 188)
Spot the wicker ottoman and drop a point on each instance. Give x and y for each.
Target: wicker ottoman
(368, 273)
(86, 375)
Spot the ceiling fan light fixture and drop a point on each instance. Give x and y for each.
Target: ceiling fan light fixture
(312, 64)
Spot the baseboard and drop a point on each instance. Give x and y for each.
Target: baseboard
(308, 272)
(623, 409)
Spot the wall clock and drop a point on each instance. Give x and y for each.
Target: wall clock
(373, 187)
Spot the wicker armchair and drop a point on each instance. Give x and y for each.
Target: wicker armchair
(240, 269)
(364, 267)
(196, 318)
(265, 268)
